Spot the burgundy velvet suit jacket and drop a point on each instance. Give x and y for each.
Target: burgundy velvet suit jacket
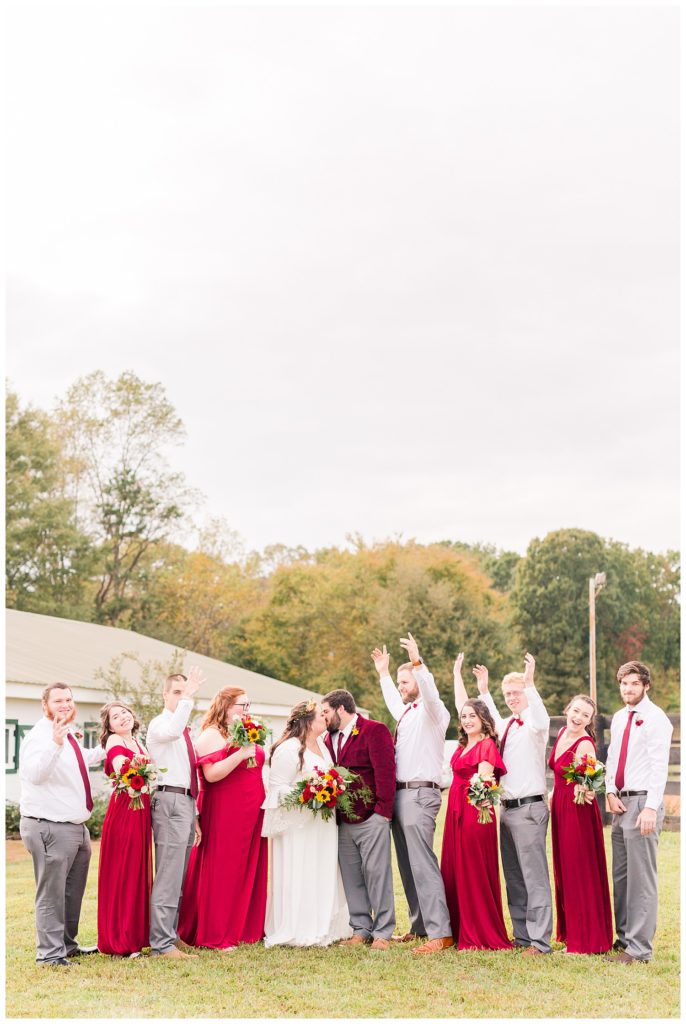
(371, 754)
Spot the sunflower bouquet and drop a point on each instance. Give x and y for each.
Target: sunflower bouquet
(483, 793)
(136, 777)
(322, 792)
(588, 773)
(245, 731)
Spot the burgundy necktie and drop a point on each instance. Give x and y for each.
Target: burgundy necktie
(340, 744)
(397, 724)
(191, 758)
(83, 770)
(621, 763)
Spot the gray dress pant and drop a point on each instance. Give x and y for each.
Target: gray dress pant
(634, 878)
(173, 827)
(525, 866)
(364, 855)
(61, 853)
(414, 824)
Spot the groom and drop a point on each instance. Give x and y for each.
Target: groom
(364, 842)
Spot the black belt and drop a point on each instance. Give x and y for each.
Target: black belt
(34, 818)
(174, 789)
(522, 800)
(417, 785)
(632, 792)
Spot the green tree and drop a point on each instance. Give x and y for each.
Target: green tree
(48, 559)
(139, 683)
(124, 491)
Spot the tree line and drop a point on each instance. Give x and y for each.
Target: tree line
(96, 517)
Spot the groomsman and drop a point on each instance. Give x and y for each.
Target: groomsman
(174, 824)
(55, 802)
(524, 806)
(637, 764)
(422, 720)
(364, 842)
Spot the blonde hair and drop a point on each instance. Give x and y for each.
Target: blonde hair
(513, 677)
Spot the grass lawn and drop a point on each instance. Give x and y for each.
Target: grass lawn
(335, 982)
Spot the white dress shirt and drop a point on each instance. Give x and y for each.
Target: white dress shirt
(525, 746)
(420, 738)
(344, 733)
(167, 745)
(51, 781)
(647, 756)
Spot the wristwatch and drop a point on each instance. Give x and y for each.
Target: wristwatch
(416, 664)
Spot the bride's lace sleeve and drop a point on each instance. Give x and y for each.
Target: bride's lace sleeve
(283, 773)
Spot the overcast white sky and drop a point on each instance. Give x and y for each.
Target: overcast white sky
(400, 270)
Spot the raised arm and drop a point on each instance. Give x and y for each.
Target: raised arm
(435, 708)
(394, 701)
(38, 756)
(211, 741)
(539, 719)
(460, 689)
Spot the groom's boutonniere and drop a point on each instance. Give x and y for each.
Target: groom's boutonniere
(356, 732)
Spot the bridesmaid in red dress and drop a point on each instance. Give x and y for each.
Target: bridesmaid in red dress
(225, 891)
(582, 893)
(125, 868)
(469, 858)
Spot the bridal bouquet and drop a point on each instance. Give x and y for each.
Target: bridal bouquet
(245, 731)
(483, 790)
(588, 773)
(325, 791)
(136, 777)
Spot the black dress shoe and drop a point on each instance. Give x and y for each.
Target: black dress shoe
(84, 951)
(62, 962)
(618, 946)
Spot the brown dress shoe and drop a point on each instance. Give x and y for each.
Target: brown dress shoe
(183, 946)
(407, 937)
(380, 944)
(624, 958)
(176, 954)
(357, 940)
(532, 951)
(435, 945)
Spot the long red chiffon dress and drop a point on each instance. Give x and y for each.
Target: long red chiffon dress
(225, 892)
(469, 858)
(125, 871)
(582, 893)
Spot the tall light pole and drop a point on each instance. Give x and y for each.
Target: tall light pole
(595, 585)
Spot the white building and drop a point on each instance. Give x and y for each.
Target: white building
(41, 649)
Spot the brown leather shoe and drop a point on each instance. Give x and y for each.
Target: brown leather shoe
(435, 945)
(176, 954)
(532, 951)
(183, 946)
(380, 944)
(356, 940)
(624, 958)
(407, 937)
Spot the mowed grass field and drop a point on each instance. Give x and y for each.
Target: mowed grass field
(338, 982)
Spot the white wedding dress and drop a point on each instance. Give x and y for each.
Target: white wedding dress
(306, 903)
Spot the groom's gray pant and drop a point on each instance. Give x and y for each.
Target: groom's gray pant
(173, 826)
(61, 853)
(414, 824)
(634, 878)
(364, 855)
(525, 866)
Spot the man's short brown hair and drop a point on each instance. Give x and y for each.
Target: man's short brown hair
(170, 680)
(641, 670)
(45, 696)
(341, 699)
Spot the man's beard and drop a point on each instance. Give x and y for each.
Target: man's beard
(335, 724)
(408, 698)
(49, 714)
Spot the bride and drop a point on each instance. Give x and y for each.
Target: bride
(306, 902)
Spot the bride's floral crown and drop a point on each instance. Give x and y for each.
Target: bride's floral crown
(307, 709)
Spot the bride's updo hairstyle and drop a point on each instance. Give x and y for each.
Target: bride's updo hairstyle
(299, 721)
